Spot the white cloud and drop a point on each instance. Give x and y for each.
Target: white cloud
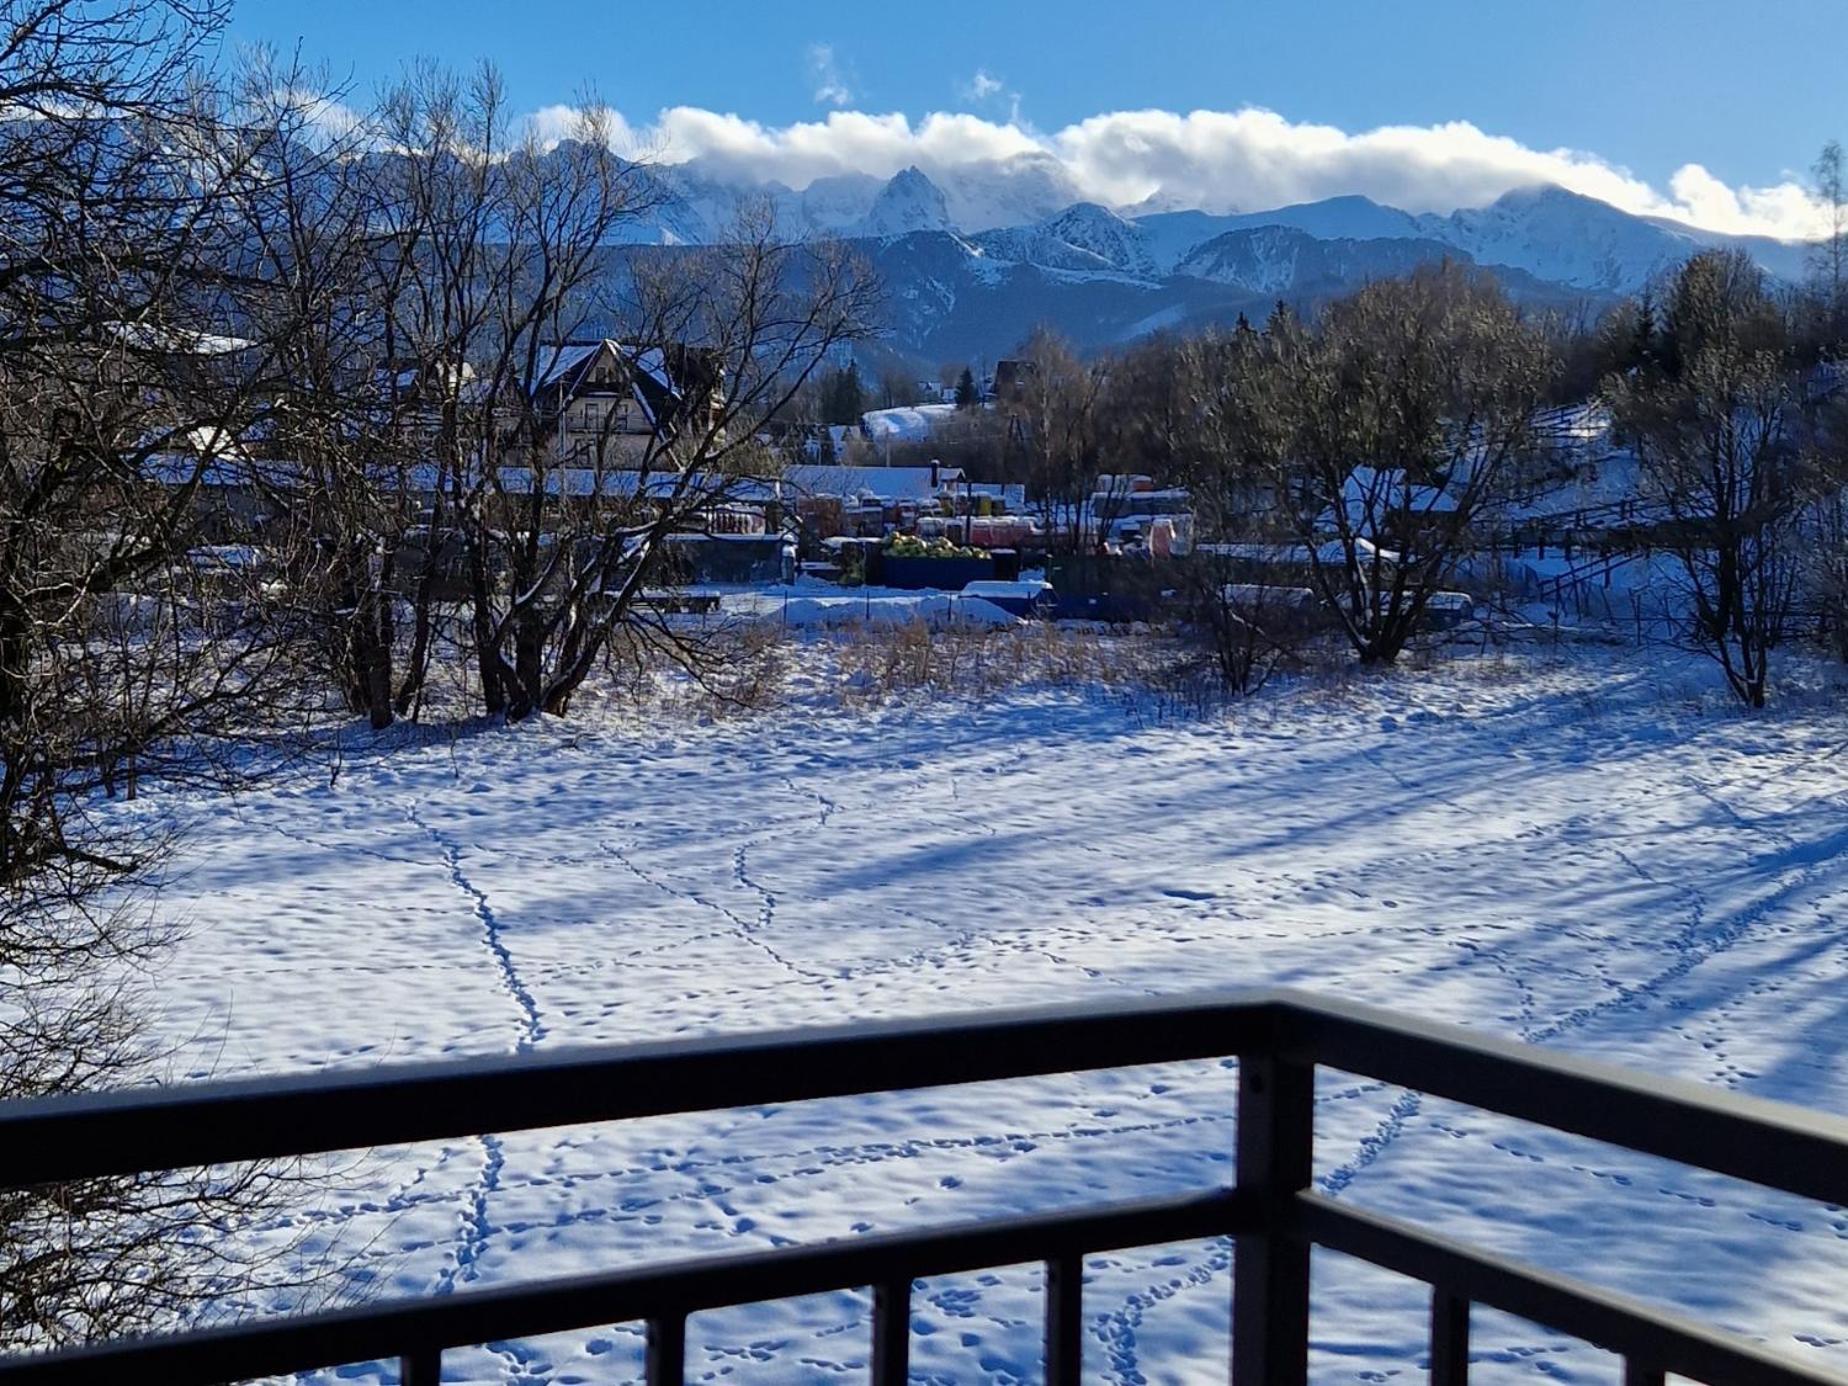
(982, 87)
(831, 87)
(986, 89)
(333, 119)
(550, 124)
(843, 142)
(1246, 160)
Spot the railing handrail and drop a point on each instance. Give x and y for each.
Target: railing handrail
(1280, 1036)
(1774, 1144)
(128, 1131)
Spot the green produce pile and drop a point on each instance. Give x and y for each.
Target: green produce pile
(910, 546)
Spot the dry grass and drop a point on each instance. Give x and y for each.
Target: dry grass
(1156, 676)
(742, 669)
(878, 665)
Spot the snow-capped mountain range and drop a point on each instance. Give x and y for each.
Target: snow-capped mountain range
(696, 202)
(974, 257)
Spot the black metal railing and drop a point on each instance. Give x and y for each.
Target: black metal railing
(1280, 1038)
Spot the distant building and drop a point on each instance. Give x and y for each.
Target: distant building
(604, 402)
(1010, 383)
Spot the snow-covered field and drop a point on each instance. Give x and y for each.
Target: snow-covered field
(1591, 854)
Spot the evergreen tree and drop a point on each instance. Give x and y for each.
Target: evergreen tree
(967, 396)
(843, 396)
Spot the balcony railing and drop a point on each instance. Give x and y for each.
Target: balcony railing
(1280, 1039)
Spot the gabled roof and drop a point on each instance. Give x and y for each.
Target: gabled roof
(559, 364)
(660, 378)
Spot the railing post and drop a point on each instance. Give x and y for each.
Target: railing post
(1064, 1320)
(1449, 1339)
(892, 1332)
(1270, 1276)
(421, 1367)
(666, 1360)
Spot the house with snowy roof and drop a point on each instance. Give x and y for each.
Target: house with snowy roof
(607, 403)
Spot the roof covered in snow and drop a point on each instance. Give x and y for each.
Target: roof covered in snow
(1331, 553)
(911, 424)
(884, 483)
(661, 484)
(1574, 425)
(557, 363)
(182, 341)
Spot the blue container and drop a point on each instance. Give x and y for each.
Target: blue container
(938, 574)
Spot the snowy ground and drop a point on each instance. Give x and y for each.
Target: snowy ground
(1585, 855)
(827, 604)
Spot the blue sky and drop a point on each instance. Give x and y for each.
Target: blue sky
(1747, 92)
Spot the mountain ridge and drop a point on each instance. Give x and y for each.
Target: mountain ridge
(969, 272)
(1030, 206)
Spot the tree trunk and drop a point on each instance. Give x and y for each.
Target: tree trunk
(487, 659)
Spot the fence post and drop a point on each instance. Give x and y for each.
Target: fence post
(892, 1332)
(1270, 1275)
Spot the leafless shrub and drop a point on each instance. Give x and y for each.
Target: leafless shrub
(876, 664)
(730, 669)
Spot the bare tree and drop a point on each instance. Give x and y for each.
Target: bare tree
(326, 273)
(1717, 419)
(1248, 630)
(1058, 420)
(1829, 256)
(1824, 534)
(1151, 411)
(1221, 431)
(1407, 416)
(132, 647)
(718, 342)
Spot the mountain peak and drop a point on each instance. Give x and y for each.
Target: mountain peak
(1353, 202)
(908, 202)
(1083, 238)
(1087, 214)
(910, 177)
(1350, 217)
(1565, 237)
(1550, 196)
